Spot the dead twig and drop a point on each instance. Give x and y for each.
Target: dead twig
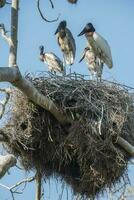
(13, 188)
(42, 16)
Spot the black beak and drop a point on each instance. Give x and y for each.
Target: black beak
(82, 32)
(83, 56)
(41, 48)
(57, 31)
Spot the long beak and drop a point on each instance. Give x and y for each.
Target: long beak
(56, 31)
(83, 56)
(82, 32)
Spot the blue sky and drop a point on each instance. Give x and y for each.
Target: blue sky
(113, 19)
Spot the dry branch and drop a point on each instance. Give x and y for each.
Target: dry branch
(38, 180)
(14, 33)
(42, 16)
(4, 103)
(126, 146)
(12, 189)
(6, 162)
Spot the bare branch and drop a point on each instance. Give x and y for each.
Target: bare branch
(126, 146)
(14, 33)
(42, 16)
(28, 180)
(4, 103)
(4, 35)
(11, 189)
(5, 163)
(38, 186)
(13, 76)
(51, 3)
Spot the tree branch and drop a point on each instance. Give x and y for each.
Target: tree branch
(14, 33)
(52, 5)
(38, 186)
(11, 189)
(5, 163)
(126, 146)
(4, 35)
(4, 103)
(13, 76)
(42, 16)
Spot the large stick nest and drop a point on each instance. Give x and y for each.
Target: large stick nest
(84, 154)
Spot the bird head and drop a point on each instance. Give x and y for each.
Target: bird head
(84, 53)
(88, 29)
(41, 48)
(62, 26)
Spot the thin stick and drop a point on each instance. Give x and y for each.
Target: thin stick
(38, 186)
(42, 16)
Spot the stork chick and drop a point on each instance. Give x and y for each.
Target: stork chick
(66, 43)
(94, 65)
(99, 45)
(54, 63)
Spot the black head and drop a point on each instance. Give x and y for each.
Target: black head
(89, 28)
(41, 48)
(62, 25)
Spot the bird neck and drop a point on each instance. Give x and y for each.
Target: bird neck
(62, 33)
(42, 57)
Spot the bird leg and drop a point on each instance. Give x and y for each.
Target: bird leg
(64, 66)
(100, 70)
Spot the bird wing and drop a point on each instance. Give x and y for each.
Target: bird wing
(54, 61)
(71, 41)
(104, 46)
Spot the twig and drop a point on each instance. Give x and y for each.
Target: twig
(4, 35)
(42, 16)
(126, 146)
(3, 104)
(100, 121)
(38, 186)
(11, 189)
(51, 3)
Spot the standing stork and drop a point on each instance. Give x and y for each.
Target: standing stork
(66, 43)
(54, 63)
(98, 44)
(93, 62)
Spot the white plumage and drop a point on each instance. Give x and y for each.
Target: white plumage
(101, 48)
(99, 45)
(54, 63)
(94, 65)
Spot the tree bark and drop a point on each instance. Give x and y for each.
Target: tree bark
(14, 33)
(38, 186)
(126, 146)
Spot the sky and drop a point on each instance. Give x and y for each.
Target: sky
(112, 19)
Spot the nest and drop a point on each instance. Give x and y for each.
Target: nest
(85, 154)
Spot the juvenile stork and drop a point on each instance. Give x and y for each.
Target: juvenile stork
(54, 63)
(66, 43)
(94, 65)
(98, 44)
